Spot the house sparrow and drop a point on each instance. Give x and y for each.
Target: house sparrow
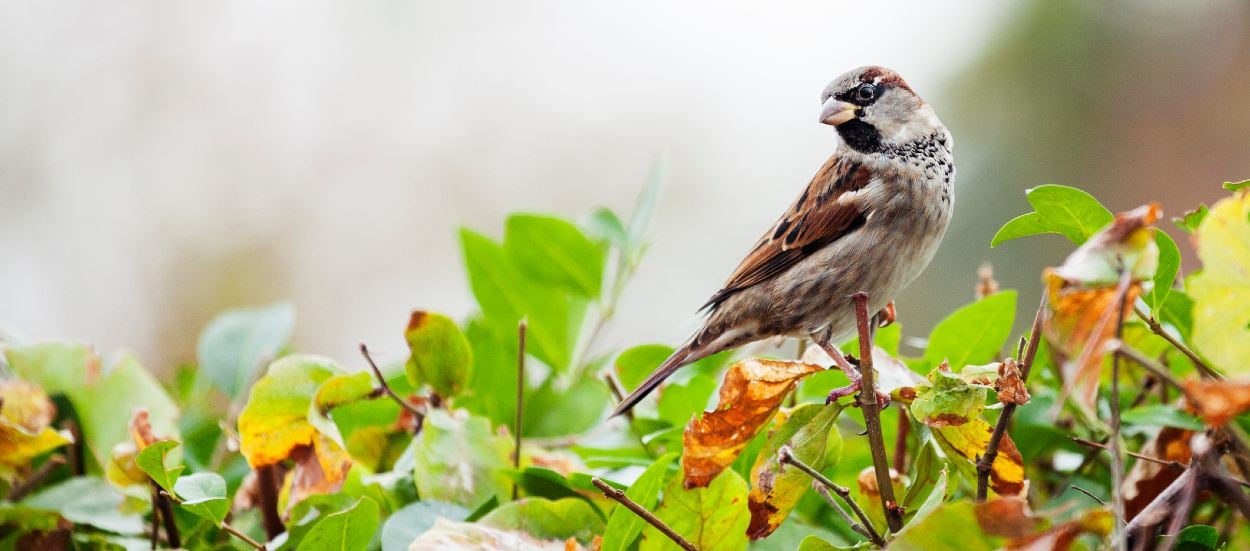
(870, 221)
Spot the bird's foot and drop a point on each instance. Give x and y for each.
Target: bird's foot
(883, 399)
(887, 315)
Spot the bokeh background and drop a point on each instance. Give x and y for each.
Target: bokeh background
(162, 161)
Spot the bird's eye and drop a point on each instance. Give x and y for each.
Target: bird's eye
(865, 92)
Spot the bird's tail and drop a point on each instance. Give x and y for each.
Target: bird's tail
(685, 355)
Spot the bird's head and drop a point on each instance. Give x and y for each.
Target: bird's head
(873, 108)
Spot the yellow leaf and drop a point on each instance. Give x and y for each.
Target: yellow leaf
(25, 412)
(751, 393)
(1221, 291)
(969, 441)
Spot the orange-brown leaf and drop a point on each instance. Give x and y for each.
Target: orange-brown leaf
(751, 393)
(1147, 479)
(1219, 401)
(1010, 385)
(969, 441)
(1009, 517)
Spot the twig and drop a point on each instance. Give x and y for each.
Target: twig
(246, 539)
(1180, 514)
(620, 497)
(1119, 348)
(520, 402)
(900, 440)
(1086, 492)
(872, 415)
(986, 462)
(1155, 511)
(837, 508)
(74, 451)
(1117, 458)
(156, 518)
(167, 515)
(1165, 462)
(1158, 329)
(21, 489)
(364, 351)
(267, 480)
(786, 456)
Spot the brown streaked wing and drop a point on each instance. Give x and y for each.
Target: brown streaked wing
(818, 217)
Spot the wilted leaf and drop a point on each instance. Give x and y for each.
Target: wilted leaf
(1064, 210)
(448, 535)
(440, 354)
(1146, 479)
(204, 495)
(347, 530)
(546, 519)
(775, 490)
(554, 252)
(457, 459)
(624, 526)
(237, 343)
(1009, 517)
(1221, 291)
(1219, 401)
(713, 518)
(1060, 538)
(410, 522)
(973, 334)
(751, 393)
(25, 412)
(1010, 384)
(968, 441)
(948, 400)
(320, 468)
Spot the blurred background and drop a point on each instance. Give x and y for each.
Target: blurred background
(162, 161)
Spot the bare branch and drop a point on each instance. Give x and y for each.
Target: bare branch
(786, 456)
(872, 415)
(21, 489)
(1117, 458)
(267, 481)
(620, 497)
(986, 463)
(1086, 492)
(1158, 329)
(377, 373)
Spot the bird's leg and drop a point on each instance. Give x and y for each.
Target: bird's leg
(822, 340)
(887, 315)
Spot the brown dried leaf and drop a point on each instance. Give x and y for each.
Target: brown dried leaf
(319, 469)
(1219, 401)
(141, 429)
(1147, 479)
(1010, 385)
(1060, 538)
(1009, 517)
(751, 393)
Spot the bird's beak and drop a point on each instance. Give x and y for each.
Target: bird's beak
(835, 112)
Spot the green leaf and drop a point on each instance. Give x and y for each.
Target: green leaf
(1198, 537)
(88, 500)
(457, 459)
(57, 367)
(681, 401)
(815, 543)
(348, 530)
(624, 526)
(644, 208)
(936, 496)
(440, 355)
(1221, 292)
(634, 364)
(237, 343)
(948, 400)
(949, 527)
(275, 419)
(1237, 186)
(414, 519)
(1160, 415)
(606, 225)
(204, 495)
(554, 252)
(1165, 274)
(1178, 311)
(1192, 219)
(973, 334)
(546, 519)
(809, 432)
(151, 460)
(336, 391)
(1058, 209)
(552, 411)
(713, 518)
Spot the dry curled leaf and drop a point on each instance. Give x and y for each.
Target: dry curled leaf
(1083, 293)
(1147, 478)
(1009, 517)
(751, 393)
(1060, 538)
(1010, 384)
(1219, 401)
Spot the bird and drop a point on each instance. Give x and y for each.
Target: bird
(869, 221)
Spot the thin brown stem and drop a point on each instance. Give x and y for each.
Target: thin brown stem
(258, 546)
(1117, 458)
(837, 508)
(166, 507)
(642, 512)
(985, 464)
(1087, 492)
(1156, 510)
(377, 373)
(1165, 462)
(1119, 348)
(786, 456)
(1157, 328)
(267, 480)
(23, 488)
(74, 451)
(520, 403)
(872, 415)
(900, 439)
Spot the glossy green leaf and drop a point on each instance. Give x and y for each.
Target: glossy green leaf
(1160, 415)
(408, 523)
(775, 491)
(546, 519)
(151, 460)
(457, 459)
(624, 526)
(681, 401)
(333, 392)
(238, 343)
(1165, 274)
(348, 530)
(634, 364)
(713, 518)
(204, 495)
(1198, 537)
(1237, 186)
(554, 252)
(440, 355)
(973, 334)
(1065, 210)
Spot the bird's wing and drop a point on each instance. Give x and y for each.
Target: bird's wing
(827, 210)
